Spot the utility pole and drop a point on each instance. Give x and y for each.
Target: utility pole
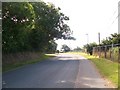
(119, 17)
(87, 38)
(99, 37)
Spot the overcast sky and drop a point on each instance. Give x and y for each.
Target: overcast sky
(89, 17)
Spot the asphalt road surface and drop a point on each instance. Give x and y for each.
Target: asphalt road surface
(63, 71)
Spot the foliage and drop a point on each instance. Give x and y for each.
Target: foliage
(113, 39)
(16, 22)
(65, 48)
(89, 47)
(115, 53)
(77, 49)
(32, 26)
(51, 47)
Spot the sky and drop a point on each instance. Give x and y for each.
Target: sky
(88, 17)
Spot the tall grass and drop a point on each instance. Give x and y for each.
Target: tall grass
(42, 57)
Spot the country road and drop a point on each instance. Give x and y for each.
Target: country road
(62, 71)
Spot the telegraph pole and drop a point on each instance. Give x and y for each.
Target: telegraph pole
(99, 37)
(87, 38)
(119, 17)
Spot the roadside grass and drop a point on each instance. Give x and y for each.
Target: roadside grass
(107, 68)
(23, 63)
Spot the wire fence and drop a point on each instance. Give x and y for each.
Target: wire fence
(111, 52)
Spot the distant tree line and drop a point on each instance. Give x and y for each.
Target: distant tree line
(77, 49)
(32, 26)
(113, 39)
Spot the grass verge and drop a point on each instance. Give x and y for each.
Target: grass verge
(107, 68)
(23, 63)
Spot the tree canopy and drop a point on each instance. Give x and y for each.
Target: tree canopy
(89, 47)
(65, 48)
(113, 39)
(17, 22)
(32, 26)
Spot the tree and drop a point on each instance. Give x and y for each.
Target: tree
(65, 48)
(52, 46)
(51, 20)
(113, 39)
(32, 26)
(49, 25)
(89, 47)
(17, 21)
(77, 49)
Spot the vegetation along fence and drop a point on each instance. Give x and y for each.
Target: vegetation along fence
(111, 52)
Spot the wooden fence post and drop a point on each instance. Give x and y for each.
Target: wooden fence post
(119, 55)
(105, 51)
(110, 50)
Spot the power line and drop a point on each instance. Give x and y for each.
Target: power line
(115, 11)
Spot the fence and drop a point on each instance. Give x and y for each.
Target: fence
(111, 52)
